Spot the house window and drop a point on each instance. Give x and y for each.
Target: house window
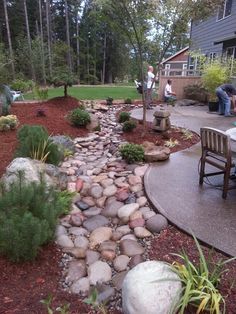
(225, 9)
(212, 56)
(231, 52)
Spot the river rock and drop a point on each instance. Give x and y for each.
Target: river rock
(106, 182)
(125, 211)
(100, 235)
(64, 241)
(141, 201)
(118, 280)
(96, 191)
(110, 190)
(81, 242)
(125, 229)
(131, 248)
(76, 270)
(81, 286)
(134, 180)
(135, 260)
(139, 222)
(156, 223)
(75, 252)
(111, 209)
(92, 257)
(99, 272)
(121, 262)
(140, 171)
(78, 231)
(95, 222)
(142, 232)
(149, 281)
(92, 211)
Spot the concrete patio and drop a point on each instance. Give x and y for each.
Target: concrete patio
(172, 186)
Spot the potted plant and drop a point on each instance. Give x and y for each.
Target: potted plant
(214, 74)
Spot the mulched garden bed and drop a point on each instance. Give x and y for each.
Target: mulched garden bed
(24, 285)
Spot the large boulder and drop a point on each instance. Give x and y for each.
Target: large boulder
(152, 288)
(153, 153)
(33, 170)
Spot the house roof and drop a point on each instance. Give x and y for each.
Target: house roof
(176, 54)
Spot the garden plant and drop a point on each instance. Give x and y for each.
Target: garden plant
(132, 152)
(79, 117)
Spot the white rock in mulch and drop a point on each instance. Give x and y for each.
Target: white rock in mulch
(125, 211)
(142, 232)
(64, 241)
(146, 289)
(140, 171)
(81, 286)
(131, 248)
(99, 272)
(110, 190)
(81, 242)
(77, 269)
(100, 235)
(121, 262)
(156, 223)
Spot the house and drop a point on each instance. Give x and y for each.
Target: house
(215, 36)
(176, 64)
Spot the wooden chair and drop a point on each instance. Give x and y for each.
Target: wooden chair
(216, 151)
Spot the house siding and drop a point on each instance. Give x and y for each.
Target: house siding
(205, 33)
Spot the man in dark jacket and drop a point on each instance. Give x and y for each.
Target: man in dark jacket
(224, 92)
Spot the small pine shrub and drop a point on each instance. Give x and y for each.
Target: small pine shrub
(128, 101)
(124, 116)
(128, 126)
(109, 101)
(35, 143)
(79, 117)
(132, 153)
(28, 218)
(9, 122)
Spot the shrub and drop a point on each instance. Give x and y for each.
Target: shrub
(79, 117)
(109, 101)
(6, 99)
(40, 93)
(128, 126)
(195, 92)
(128, 101)
(35, 143)
(200, 283)
(28, 217)
(9, 122)
(22, 85)
(132, 153)
(124, 116)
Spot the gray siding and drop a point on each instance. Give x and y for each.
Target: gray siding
(204, 34)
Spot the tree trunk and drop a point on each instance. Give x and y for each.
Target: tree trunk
(49, 36)
(29, 41)
(88, 65)
(65, 90)
(9, 39)
(42, 43)
(77, 47)
(68, 36)
(104, 59)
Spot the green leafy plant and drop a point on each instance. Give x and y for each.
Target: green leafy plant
(128, 101)
(22, 85)
(109, 101)
(64, 309)
(124, 116)
(66, 200)
(214, 74)
(200, 283)
(28, 217)
(187, 134)
(128, 126)
(40, 93)
(79, 117)
(35, 143)
(171, 143)
(132, 152)
(9, 122)
(93, 301)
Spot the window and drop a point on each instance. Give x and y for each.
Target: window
(225, 9)
(212, 56)
(231, 52)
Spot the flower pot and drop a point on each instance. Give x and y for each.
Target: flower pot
(213, 106)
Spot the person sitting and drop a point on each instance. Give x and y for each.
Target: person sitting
(224, 92)
(169, 95)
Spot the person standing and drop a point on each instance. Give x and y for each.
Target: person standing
(224, 92)
(150, 86)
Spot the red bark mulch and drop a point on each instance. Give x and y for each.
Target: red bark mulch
(24, 285)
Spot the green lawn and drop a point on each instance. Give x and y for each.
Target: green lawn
(94, 92)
